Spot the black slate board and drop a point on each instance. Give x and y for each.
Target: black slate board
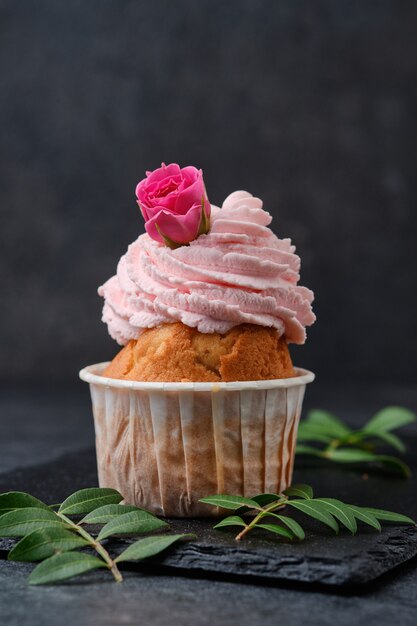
(321, 558)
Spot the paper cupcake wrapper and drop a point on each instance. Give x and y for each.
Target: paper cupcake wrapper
(166, 445)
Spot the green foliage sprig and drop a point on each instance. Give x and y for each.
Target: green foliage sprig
(52, 537)
(341, 444)
(328, 511)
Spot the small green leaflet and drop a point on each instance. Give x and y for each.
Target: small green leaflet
(263, 499)
(294, 526)
(23, 521)
(105, 513)
(150, 546)
(86, 500)
(310, 432)
(303, 449)
(43, 543)
(390, 418)
(355, 455)
(63, 566)
(300, 491)
(330, 424)
(340, 511)
(366, 517)
(19, 500)
(134, 523)
(390, 439)
(389, 516)
(279, 530)
(230, 502)
(317, 511)
(349, 455)
(232, 520)
(396, 464)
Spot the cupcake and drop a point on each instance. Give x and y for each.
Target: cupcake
(203, 397)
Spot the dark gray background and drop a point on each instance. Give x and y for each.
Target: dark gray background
(310, 105)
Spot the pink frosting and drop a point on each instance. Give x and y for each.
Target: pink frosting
(240, 272)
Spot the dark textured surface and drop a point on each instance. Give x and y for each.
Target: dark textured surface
(38, 425)
(162, 600)
(321, 558)
(310, 105)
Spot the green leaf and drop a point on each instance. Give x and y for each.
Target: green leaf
(230, 502)
(340, 511)
(311, 508)
(263, 499)
(279, 530)
(232, 520)
(23, 521)
(355, 455)
(13, 500)
(333, 425)
(365, 516)
(63, 566)
(390, 418)
(309, 432)
(303, 449)
(389, 516)
(105, 513)
(87, 500)
(391, 462)
(350, 455)
(43, 543)
(150, 546)
(390, 439)
(294, 526)
(299, 491)
(134, 523)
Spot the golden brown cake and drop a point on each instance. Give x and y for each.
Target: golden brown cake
(178, 353)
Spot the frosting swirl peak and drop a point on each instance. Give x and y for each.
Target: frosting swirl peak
(240, 272)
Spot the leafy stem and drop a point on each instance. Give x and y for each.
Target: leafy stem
(96, 545)
(265, 511)
(335, 441)
(58, 541)
(328, 511)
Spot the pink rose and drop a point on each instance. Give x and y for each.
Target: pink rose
(174, 204)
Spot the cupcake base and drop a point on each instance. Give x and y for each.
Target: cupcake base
(166, 445)
(179, 353)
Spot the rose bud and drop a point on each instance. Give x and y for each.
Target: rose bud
(174, 204)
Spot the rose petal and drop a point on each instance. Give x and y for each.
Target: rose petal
(190, 173)
(148, 188)
(180, 228)
(165, 171)
(192, 194)
(152, 212)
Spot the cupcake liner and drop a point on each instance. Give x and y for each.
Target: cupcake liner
(166, 445)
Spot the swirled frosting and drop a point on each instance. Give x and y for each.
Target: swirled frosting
(240, 272)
